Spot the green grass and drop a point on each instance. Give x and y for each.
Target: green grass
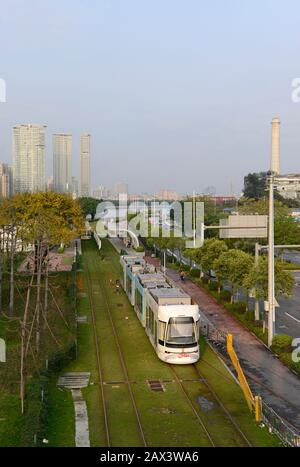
(166, 417)
(60, 416)
(10, 420)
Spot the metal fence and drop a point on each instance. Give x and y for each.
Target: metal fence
(288, 435)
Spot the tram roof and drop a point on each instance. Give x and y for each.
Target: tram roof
(151, 277)
(170, 295)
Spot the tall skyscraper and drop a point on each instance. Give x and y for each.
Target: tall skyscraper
(29, 158)
(62, 162)
(6, 181)
(85, 164)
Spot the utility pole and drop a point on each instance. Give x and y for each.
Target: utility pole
(271, 272)
(256, 310)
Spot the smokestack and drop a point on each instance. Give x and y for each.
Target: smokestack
(275, 154)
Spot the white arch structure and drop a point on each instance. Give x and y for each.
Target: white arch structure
(2, 351)
(132, 235)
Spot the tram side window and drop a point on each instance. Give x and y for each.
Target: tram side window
(129, 281)
(161, 332)
(138, 301)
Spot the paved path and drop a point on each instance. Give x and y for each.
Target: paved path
(268, 377)
(82, 436)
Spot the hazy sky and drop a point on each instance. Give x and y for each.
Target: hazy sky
(175, 93)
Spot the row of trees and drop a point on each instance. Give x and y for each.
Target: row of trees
(239, 269)
(34, 223)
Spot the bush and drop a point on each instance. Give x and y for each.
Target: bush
(139, 249)
(282, 343)
(238, 307)
(195, 273)
(213, 286)
(225, 296)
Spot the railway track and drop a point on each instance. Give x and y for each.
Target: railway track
(217, 401)
(191, 404)
(259, 383)
(121, 358)
(97, 347)
(224, 409)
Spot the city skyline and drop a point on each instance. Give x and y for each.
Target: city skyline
(152, 97)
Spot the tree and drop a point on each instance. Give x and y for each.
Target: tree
(210, 251)
(261, 207)
(89, 205)
(255, 185)
(233, 266)
(257, 278)
(44, 220)
(286, 231)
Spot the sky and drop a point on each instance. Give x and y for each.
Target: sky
(176, 94)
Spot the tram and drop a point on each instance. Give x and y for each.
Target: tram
(170, 319)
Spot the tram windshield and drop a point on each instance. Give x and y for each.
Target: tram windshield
(181, 331)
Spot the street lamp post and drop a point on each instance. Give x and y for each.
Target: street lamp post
(271, 272)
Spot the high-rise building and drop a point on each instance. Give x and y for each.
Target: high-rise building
(85, 164)
(62, 162)
(29, 158)
(121, 188)
(6, 181)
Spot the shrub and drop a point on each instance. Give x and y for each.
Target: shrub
(225, 296)
(139, 249)
(195, 273)
(213, 286)
(282, 343)
(239, 307)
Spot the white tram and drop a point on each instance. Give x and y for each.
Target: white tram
(167, 313)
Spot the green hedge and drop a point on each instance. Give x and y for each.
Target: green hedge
(36, 407)
(282, 343)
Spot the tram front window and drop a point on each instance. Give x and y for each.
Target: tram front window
(180, 332)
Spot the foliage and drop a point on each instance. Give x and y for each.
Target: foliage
(255, 185)
(233, 266)
(89, 205)
(258, 279)
(252, 206)
(282, 343)
(139, 249)
(286, 231)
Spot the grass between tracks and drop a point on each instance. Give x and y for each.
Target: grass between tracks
(166, 417)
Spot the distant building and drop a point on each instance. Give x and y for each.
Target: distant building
(121, 188)
(100, 192)
(62, 162)
(74, 187)
(288, 186)
(167, 195)
(50, 184)
(29, 158)
(220, 200)
(85, 165)
(6, 181)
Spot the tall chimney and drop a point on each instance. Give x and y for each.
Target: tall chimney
(275, 155)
